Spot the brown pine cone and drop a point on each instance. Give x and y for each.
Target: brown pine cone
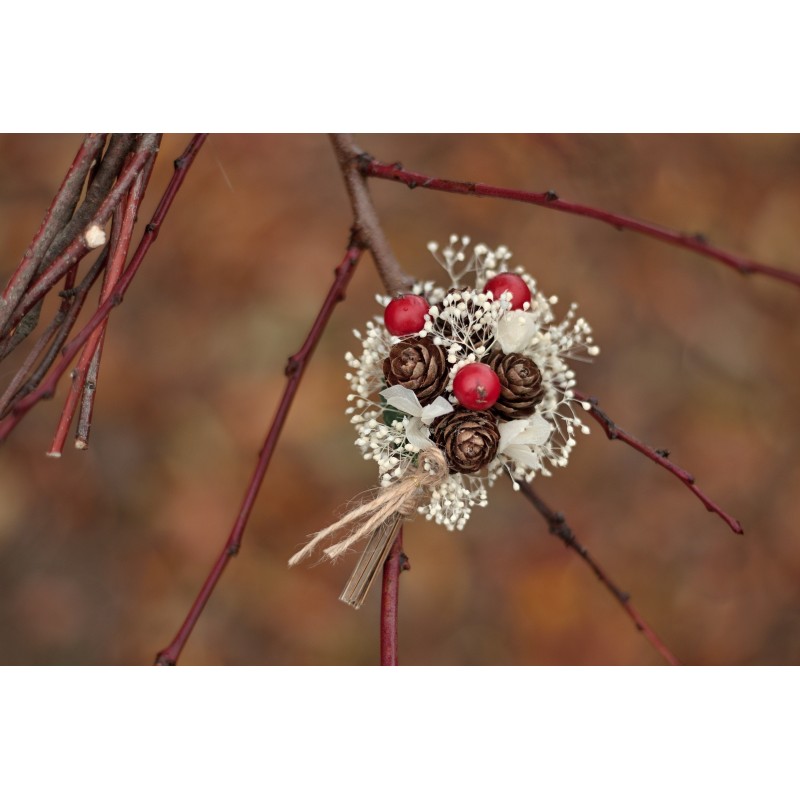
(418, 364)
(521, 387)
(468, 439)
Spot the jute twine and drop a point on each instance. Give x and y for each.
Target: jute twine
(400, 498)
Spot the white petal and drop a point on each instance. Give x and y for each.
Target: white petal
(534, 430)
(509, 432)
(417, 433)
(523, 454)
(515, 331)
(538, 431)
(435, 409)
(402, 399)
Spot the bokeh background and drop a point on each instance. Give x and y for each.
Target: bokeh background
(101, 552)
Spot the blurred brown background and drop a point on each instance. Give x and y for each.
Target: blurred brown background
(102, 552)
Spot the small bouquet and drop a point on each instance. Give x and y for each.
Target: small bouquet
(454, 386)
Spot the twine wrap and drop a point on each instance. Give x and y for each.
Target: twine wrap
(401, 498)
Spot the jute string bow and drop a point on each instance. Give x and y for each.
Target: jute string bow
(401, 498)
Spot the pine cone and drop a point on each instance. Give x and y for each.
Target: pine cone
(418, 364)
(469, 439)
(521, 387)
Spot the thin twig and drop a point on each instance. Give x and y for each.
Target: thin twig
(18, 325)
(27, 378)
(78, 247)
(108, 172)
(83, 386)
(55, 219)
(395, 563)
(613, 431)
(87, 399)
(48, 386)
(557, 525)
(116, 267)
(295, 369)
(78, 375)
(368, 230)
(695, 242)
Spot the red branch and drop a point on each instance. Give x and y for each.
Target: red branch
(695, 242)
(48, 387)
(28, 378)
(295, 368)
(78, 247)
(395, 563)
(56, 217)
(82, 386)
(557, 525)
(613, 431)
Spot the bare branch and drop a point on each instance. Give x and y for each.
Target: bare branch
(56, 218)
(368, 230)
(28, 378)
(613, 431)
(695, 242)
(93, 213)
(79, 246)
(557, 525)
(295, 368)
(395, 563)
(48, 386)
(83, 385)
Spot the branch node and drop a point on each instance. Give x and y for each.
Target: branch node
(363, 161)
(293, 365)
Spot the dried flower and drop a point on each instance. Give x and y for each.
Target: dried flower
(529, 430)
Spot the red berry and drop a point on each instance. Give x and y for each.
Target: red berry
(509, 282)
(405, 315)
(476, 386)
